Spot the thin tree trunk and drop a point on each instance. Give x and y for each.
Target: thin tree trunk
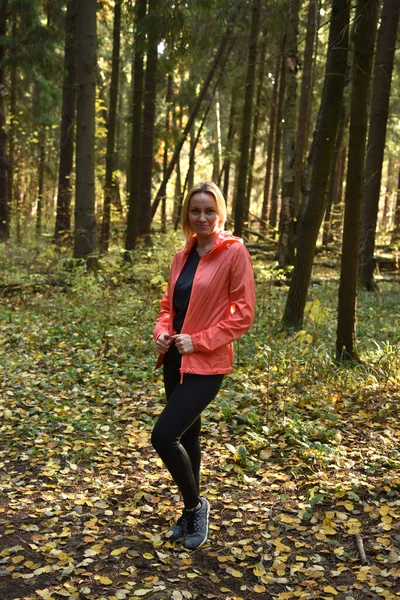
(4, 208)
(217, 144)
(109, 184)
(229, 145)
(336, 172)
(241, 215)
(64, 195)
(168, 100)
(254, 137)
(388, 194)
(85, 218)
(42, 162)
(273, 215)
(364, 38)
(320, 160)
(13, 112)
(396, 229)
(271, 137)
(214, 67)
(149, 116)
(285, 253)
(305, 103)
(137, 124)
(385, 49)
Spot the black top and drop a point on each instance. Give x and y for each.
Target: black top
(183, 288)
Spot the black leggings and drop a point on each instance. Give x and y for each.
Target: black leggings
(176, 434)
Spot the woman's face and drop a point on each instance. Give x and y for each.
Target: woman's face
(203, 215)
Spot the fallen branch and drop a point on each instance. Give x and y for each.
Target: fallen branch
(360, 548)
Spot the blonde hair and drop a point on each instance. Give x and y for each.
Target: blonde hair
(206, 187)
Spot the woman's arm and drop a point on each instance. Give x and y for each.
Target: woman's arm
(241, 317)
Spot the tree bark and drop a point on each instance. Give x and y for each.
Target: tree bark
(241, 214)
(109, 184)
(305, 103)
(42, 162)
(4, 208)
(137, 124)
(272, 130)
(64, 195)
(13, 112)
(215, 64)
(336, 172)
(85, 218)
(396, 229)
(273, 215)
(149, 116)
(320, 157)
(385, 49)
(364, 39)
(229, 145)
(285, 253)
(256, 121)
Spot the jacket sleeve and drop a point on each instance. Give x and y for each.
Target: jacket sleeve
(241, 317)
(164, 316)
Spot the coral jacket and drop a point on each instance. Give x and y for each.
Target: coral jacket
(221, 306)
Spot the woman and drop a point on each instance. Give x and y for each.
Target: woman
(209, 303)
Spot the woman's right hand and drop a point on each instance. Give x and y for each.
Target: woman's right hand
(163, 342)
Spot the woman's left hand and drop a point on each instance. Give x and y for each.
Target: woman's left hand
(183, 342)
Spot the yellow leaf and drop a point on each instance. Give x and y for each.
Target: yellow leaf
(259, 571)
(18, 559)
(119, 551)
(148, 556)
(384, 510)
(234, 572)
(339, 551)
(330, 590)
(45, 594)
(105, 581)
(141, 592)
(260, 589)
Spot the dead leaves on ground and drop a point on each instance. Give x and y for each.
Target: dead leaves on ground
(296, 470)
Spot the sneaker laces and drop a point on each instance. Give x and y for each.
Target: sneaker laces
(192, 521)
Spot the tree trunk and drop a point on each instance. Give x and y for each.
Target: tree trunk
(254, 137)
(285, 253)
(273, 215)
(388, 195)
(137, 124)
(63, 211)
(4, 208)
(364, 39)
(241, 214)
(109, 184)
(42, 162)
(385, 49)
(85, 218)
(396, 229)
(168, 100)
(149, 116)
(214, 67)
(320, 161)
(336, 172)
(13, 112)
(271, 137)
(305, 103)
(229, 145)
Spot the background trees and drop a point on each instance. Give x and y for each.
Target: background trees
(183, 92)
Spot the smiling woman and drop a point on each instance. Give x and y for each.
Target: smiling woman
(208, 304)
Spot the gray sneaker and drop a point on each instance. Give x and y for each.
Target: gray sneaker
(196, 526)
(177, 531)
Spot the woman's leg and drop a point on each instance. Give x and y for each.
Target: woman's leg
(190, 440)
(182, 411)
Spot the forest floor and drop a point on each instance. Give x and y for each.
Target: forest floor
(301, 454)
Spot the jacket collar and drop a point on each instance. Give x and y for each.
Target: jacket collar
(223, 238)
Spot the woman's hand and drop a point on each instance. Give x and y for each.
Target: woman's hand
(163, 342)
(183, 342)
